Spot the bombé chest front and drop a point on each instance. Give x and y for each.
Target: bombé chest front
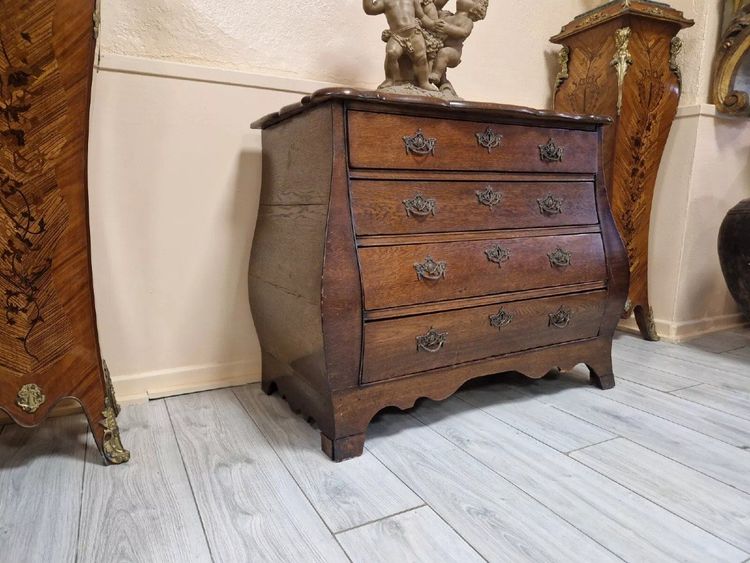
(404, 246)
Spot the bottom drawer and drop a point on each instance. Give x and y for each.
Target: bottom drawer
(398, 347)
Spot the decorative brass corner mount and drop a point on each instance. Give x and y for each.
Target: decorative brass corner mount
(114, 452)
(30, 398)
(621, 61)
(562, 75)
(674, 50)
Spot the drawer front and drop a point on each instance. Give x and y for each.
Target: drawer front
(390, 207)
(394, 276)
(410, 345)
(378, 140)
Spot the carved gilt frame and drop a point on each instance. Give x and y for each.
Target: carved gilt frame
(731, 82)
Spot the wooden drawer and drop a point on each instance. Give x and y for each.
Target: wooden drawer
(392, 207)
(403, 346)
(394, 276)
(378, 140)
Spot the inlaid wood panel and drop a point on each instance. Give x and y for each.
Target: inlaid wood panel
(620, 60)
(48, 336)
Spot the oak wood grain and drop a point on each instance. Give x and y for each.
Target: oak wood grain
(250, 506)
(648, 376)
(144, 508)
(376, 140)
(522, 411)
(706, 420)
(389, 275)
(628, 525)
(717, 508)
(687, 367)
(318, 369)
(380, 206)
(345, 496)
(474, 500)
(684, 353)
(723, 462)
(40, 490)
(455, 304)
(417, 535)
(430, 238)
(731, 401)
(391, 346)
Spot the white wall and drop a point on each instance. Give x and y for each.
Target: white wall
(508, 58)
(175, 169)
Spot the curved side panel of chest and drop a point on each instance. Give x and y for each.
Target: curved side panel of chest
(303, 277)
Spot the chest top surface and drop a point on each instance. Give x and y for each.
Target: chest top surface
(448, 109)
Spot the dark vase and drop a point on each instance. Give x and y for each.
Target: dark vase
(734, 253)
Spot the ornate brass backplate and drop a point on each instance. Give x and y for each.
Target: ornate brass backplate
(432, 342)
(30, 398)
(420, 144)
(431, 269)
(550, 152)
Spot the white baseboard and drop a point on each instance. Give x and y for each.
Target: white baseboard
(682, 331)
(141, 387)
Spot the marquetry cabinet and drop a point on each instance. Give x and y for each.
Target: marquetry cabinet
(620, 60)
(49, 348)
(405, 245)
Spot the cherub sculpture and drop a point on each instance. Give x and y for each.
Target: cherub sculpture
(423, 41)
(403, 38)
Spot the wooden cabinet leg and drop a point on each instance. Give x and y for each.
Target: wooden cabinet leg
(601, 374)
(343, 448)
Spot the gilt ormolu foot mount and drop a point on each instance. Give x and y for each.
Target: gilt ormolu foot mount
(49, 348)
(620, 60)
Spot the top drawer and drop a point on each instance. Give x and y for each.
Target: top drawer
(379, 140)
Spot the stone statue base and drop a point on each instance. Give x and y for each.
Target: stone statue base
(412, 90)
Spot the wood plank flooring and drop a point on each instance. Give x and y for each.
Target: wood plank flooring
(656, 469)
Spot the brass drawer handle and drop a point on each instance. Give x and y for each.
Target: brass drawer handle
(561, 318)
(489, 139)
(430, 270)
(420, 206)
(502, 319)
(489, 197)
(419, 144)
(550, 205)
(560, 258)
(550, 152)
(497, 254)
(432, 342)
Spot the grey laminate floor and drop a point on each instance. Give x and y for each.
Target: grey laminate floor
(657, 469)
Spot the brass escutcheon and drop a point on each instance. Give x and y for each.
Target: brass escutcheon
(30, 398)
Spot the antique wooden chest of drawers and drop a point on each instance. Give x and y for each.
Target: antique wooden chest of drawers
(406, 245)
